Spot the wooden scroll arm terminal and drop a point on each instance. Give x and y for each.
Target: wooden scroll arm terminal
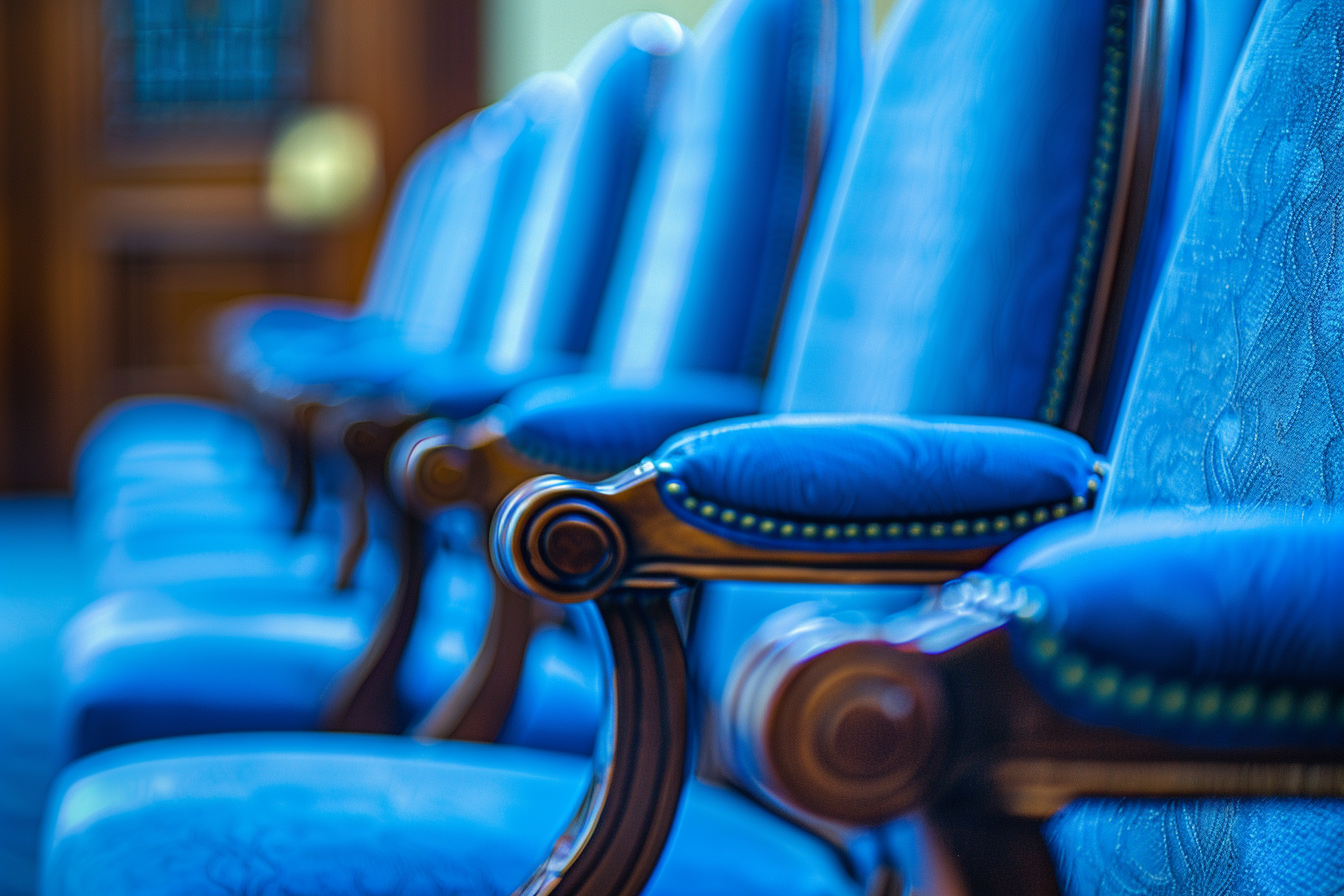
(438, 466)
(930, 714)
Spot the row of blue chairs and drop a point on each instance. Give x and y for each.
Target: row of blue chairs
(901, 469)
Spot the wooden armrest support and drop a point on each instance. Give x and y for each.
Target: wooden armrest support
(568, 542)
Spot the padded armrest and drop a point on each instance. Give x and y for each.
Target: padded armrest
(585, 423)
(867, 479)
(461, 387)
(1210, 628)
(279, 343)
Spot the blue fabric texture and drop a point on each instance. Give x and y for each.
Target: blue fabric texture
(586, 423)
(1234, 401)
(725, 186)
(235, 654)
(1198, 847)
(302, 814)
(971, 476)
(39, 590)
(946, 260)
(1232, 408)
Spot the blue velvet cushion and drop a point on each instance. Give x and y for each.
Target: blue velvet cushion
(248, 558)
(298, 815)
(144, 664)
(1199, 847)
(590, 424)
(874, 480)
(1214, 629)
(246, 654)
(154, 436)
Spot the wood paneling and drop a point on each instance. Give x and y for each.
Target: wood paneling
(121, 250)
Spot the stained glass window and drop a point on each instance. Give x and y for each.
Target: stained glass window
(202, 61)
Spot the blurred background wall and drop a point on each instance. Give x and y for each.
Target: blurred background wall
(161, 157)
(522, 37)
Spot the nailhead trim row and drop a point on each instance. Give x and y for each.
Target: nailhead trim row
(1073, 674)
(675, 491)
(1092, 236)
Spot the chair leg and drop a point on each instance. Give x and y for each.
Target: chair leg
(478, 705)
(366, 698)
(616, 837)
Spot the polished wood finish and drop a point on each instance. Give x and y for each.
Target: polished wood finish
(617, 836)
(646, 543)
(479, 702)
(474, 464)
(365, 699)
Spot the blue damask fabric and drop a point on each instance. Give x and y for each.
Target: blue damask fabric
(1236, 404)
(1237, 398)
(292, 815)
(1214, 847)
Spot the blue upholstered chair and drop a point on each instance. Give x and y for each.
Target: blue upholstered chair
(933, 280)
(1159, 683)
(750, 116)
(508, 217)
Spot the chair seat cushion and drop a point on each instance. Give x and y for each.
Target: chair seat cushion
(262, 655)
(176, 508)
(293, 346)
(1193, 847)
(160, 437)
(214, 657)
(323, 814)
(203, 553)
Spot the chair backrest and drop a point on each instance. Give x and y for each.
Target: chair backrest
(566, 247)
(504, 242)
(726, 187)
(385, 288)
(1235, 399)
(455, 281)
(970, 215)
(938, 279)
